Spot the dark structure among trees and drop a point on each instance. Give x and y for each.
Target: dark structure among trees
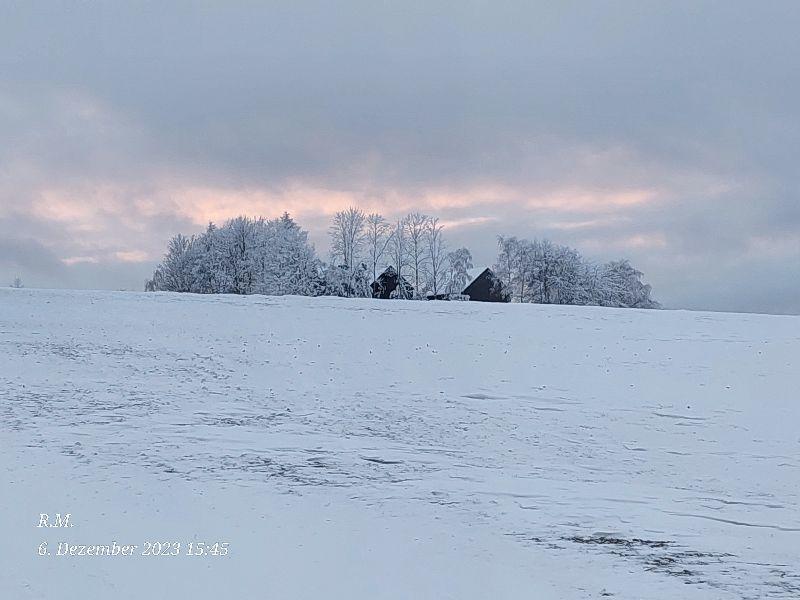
(432, 296)
(274, 257)
(390, 285)
(486, 287)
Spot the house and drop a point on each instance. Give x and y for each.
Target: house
(486, 287)
(390, 285)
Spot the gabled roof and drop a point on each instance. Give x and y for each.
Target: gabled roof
(387, 272)
(387, 282)
(487, 272)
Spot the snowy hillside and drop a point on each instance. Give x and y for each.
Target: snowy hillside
(391, 449)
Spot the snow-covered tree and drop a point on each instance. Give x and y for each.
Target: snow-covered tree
(240, 258)
(348, 234)
(459, 262)
(244, 256)
(546, 273)
(623, 286)
(17, 283)
(340, 280)
(207, 273)
(506, 266)
(174, 274)
(515, 266)
(565, 269)
(290, 262)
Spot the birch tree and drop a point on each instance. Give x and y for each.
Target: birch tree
(416, 226)
(348, 234)
(378, 236)
(437, 257)
(398, 251)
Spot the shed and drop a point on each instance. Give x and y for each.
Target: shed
(390, 285)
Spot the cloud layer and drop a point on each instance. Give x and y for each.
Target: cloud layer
(664, 132)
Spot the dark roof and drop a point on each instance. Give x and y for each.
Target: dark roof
(387, 282)
(486, 287)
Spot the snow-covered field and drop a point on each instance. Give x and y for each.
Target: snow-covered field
(388, 449)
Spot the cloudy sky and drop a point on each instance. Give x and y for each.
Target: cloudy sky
(667, 132)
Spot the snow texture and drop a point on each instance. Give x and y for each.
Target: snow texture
(367, 449)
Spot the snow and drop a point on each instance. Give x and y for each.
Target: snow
(395, 449)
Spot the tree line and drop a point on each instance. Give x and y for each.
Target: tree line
(542, 272)
(273, 256)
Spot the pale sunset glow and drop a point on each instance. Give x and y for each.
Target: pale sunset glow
(87, 210)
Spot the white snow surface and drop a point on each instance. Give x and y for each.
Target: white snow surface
(396, 449)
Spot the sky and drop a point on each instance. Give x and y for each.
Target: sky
(663, 132)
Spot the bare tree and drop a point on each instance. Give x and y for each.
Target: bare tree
(17, 283)
(416, 226)
(398, 251)
(348, 236)
(378, 237)
(436, 255)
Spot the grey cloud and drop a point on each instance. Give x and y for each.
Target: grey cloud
(40, 267)
(274, 91)
(27, 255)
(697, 100)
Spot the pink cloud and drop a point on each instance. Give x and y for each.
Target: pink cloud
(591, 201)
(132, 256)
(74, 260)
(107, 221)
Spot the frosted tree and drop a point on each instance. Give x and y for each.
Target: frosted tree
(416, 228)
(459, 262)
(17, 283)
(174, 274)
(506, 266)
(592, 285)
(290, 260)
(515, 266)
(554, 274)
(244, 256)
(208, 276)
(398, 252)
(437, 256)
(348, 234)
(623, 286)
(340, 280)
(547, 273)
(239, 258)
(566, 276)
(378, 236)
